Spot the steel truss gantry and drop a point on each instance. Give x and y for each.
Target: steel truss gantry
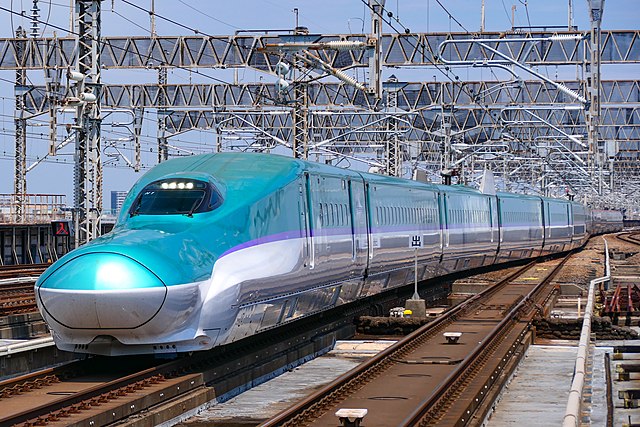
(478, 103)
(342, 120)
(243, 50)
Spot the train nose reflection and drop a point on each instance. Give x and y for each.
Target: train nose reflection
(102, 291)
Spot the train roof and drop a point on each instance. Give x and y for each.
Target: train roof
(263, 173)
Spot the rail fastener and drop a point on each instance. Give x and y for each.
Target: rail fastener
(625, 370)
(630, 397)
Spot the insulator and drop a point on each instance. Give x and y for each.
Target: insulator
(281, 85)
(342, 45)
(570, 92)
(564, 37)
(88, 97)
(347, 79)
(282, 68)
(75, 76)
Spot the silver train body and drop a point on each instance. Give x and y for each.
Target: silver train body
(287, 239)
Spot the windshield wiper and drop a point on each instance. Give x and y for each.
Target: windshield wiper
(195, 206)
(135, 211)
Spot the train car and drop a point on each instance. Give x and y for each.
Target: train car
(521, 226)
(579, 225)
(558, 228)
(606, 221)
(470, 224)
(213, 248)
(397, 211)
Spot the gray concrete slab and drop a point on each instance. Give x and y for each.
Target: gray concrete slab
(621, 414)
(598, 415)
(538, 392)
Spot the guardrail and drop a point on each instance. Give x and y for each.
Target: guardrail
(574, 404)
(28, 345)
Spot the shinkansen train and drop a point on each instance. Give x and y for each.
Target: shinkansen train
(605, 221)
(213, 248)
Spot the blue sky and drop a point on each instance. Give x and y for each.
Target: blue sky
(224, 17)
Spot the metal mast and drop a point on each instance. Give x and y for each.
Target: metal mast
(300, 113)
(163, 150)
(447, 119)
(88, 165)
(300, 121)
(375, 60)
(596, 8)
(394, 159)
(20, 178)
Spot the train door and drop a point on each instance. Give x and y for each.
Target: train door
(501, 227)
(306, 218)
(547, 213)
(324, 222)
(359, 225)
(493, 217)
(570, 220)
(444, 221)
(543, 213)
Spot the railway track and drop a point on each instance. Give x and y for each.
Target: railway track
(22, 270)
(60, 394)
(426, 380)
(16, 288)
(17, 299)
(622, 300)
(632, 237)
(103, 390)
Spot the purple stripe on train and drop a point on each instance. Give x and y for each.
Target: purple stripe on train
(343, 231)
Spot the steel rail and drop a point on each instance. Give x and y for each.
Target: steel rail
(501, 329)
(160, 372)
(20, 270)
(629, 237)
(380, 360)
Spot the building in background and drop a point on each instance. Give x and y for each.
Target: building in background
(117, 199)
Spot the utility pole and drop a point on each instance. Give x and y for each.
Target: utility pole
(20, 122)
(300, 121)
(447, 118)
(152, 17)
(163, 149)
(138, 116)
(596, 8)
(300, 111)
(394, 154)
(570, 15)
(375, 60)
(88, 164)
(35, 19)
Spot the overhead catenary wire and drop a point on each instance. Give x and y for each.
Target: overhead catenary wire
(452, 17)
(224, 82)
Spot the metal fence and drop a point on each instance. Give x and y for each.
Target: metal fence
(36, 208)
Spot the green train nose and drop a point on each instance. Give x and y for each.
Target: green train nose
(102, 291)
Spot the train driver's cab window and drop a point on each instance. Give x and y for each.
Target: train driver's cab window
(179, 196)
